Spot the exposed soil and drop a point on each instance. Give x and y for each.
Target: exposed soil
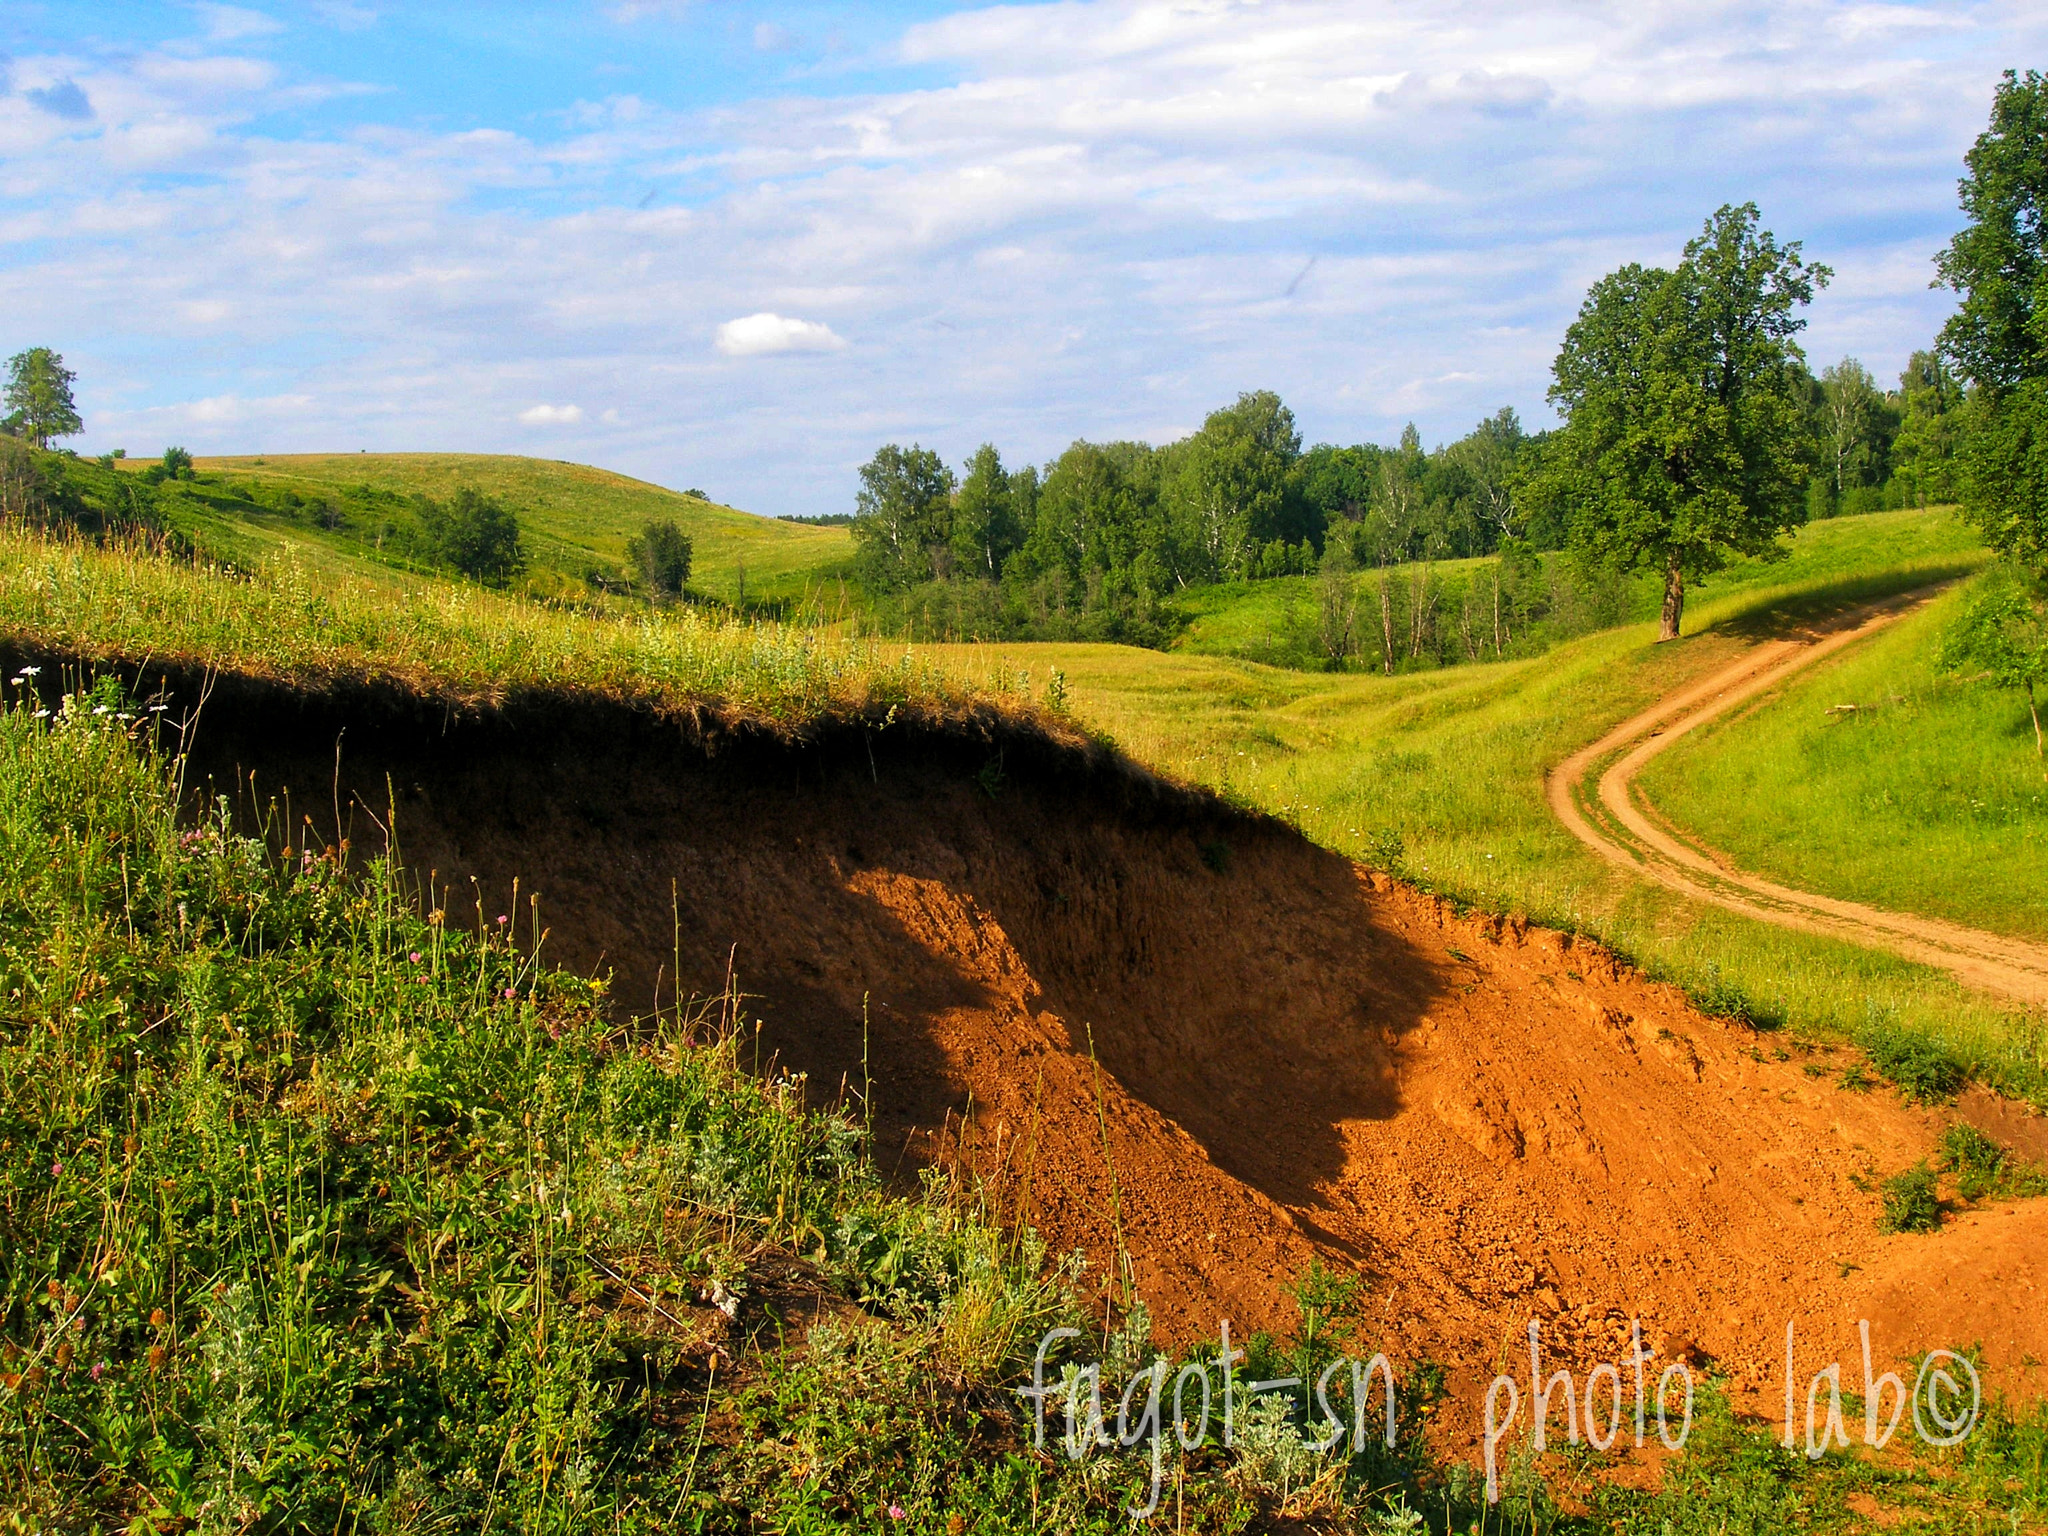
(1194, 1035)
(1628, 832)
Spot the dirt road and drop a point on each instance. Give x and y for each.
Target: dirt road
(1618, 822)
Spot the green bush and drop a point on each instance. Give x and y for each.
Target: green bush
(1910, 1203)
(1922, 1069)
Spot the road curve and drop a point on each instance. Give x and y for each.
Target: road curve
(1619, 824)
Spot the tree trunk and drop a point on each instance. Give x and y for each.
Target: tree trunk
(1386, 623)
(1674, 600)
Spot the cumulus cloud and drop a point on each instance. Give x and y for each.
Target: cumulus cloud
(1083, 217)
(6, 75)
(755, 335)
(65, 99)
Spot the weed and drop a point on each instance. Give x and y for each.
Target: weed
(1923, 1070)
(1910, 1203)
(1984, 1169)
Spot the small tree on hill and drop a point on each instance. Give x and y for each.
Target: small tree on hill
(39, 397)
(177, 464)
(661, 554)
(1685, 439)
(2003, 635)
(477, 535)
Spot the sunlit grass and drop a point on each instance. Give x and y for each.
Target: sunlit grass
(575, 512)
(1874, 777)
(1441, 774)
(286, 621)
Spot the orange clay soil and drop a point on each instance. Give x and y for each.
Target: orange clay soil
(1192, 1034)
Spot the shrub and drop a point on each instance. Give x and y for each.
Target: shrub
(1921, 1069)
(1910, 1204)
(476, 534)
(661, 554)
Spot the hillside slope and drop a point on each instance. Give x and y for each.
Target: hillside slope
(1216, 1067)
(1889, 784)
(575, 514)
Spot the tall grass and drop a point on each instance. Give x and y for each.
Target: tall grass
(125, 601)
(321, 1211)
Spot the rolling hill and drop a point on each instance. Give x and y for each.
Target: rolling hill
(574, 515)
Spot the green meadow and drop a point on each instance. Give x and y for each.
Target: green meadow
(1440, 776)
(1874, 776)
(575, 515)
(327, 1211)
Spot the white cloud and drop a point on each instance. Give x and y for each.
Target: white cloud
(551, 415)
(1085, 220)
(754, 335)
(232, 23)
(769, 37)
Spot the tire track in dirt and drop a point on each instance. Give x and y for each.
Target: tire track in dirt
(1625, 829)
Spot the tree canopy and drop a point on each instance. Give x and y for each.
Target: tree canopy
(476, 534)
(2003, 635)
(905, 514)
(661, 554)
(1998, 336)
(1686, 438)
(38, 397)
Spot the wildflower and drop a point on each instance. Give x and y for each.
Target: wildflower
(898, 1512)
(26, 672)
(99, 1369)
(415, 957)
(503, 919)
(56, 1170)
(156, 1357)
(159, 1318)
(511, 992)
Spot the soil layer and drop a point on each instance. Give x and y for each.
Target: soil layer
(1171, 1031)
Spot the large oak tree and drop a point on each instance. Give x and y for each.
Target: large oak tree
(1686, 440)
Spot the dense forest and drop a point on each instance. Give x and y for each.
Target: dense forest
(1099, 543)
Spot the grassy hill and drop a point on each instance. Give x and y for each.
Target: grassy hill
(322, 1210)
(574, 515)
(1275, 621)
(1440, 775)
(1886, 782)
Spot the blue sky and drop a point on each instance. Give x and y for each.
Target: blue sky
(737, 245)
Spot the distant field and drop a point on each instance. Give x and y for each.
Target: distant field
(1274, 621)
(575, 513)
(1443, 772)
(1923, 795)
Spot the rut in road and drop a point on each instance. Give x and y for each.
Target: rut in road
(1623, 828)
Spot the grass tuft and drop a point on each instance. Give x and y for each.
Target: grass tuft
(1910, 1202)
